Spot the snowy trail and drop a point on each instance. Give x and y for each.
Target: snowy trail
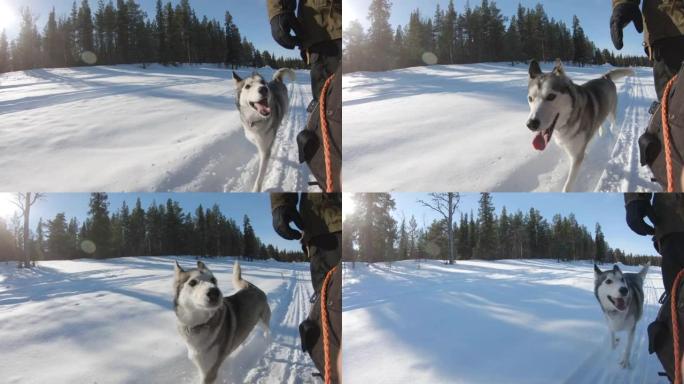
(461, 127)
(112, 321)
(124, 128)
(537, 319)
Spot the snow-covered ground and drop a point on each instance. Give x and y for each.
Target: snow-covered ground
(124, 128)
(112, 321)
(524, 321)
(462, 127)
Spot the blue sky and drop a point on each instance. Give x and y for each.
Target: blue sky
(594, 16)
(249, 15)
(235, 205)
(589, 208)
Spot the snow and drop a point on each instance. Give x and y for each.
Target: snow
(125, 128)
(112, 321)
(463, 127)
(511, 321)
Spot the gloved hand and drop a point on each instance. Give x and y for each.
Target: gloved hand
(637, 211)
(282, 217)
(623, 14)
(282, 27)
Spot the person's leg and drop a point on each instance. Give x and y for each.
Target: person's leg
(668, 55)
(672, 251)
(325, 59)
(325, 254)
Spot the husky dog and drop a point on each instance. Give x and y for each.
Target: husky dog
(621, 296)
(262, 107)
(573, 112)
(213, 326)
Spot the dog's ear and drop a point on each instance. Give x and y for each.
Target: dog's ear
(616, 268)
(201, 266)
(558, 68)
(597, 271)
(535, 69)
(177, 269)
(237, 79)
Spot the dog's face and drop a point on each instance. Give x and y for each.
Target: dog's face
(196, 288)
(253, 95)
(549, 100)
(611, 288)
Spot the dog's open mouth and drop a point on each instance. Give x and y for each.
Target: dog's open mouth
(543, 137)
(261, 107)
(619, 303)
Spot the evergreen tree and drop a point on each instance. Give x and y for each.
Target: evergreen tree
(4, 53)
(380, 34)
(99, 231)
(487, 241)
(59, 242)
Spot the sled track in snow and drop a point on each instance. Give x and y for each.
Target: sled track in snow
(624, 172)
(284, 361)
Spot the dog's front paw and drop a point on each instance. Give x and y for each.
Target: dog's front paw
(625, 364)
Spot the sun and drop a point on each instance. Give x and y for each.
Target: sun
(8, 16)
(7, 208)
(352, 10)
(348, 205)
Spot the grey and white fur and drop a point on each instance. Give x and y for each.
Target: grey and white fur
(211, 325)
(262, 107)
(571, 113)
(621, 297)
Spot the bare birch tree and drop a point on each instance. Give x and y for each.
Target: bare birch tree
(446, 204)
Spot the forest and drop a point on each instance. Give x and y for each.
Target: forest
(479, 34)
(159, 230)
(372, 234)
(122, 33)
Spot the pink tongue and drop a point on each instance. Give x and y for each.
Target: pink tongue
(539, 142)
(263, 109)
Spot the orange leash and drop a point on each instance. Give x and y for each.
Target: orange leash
(326, 136)
(327, 375)
(675, 327)
(666, 136)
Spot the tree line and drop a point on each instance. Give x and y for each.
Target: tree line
(372, 234)
(122, 33)
(478, 34)
(159, 230)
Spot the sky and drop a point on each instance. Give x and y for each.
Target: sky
(594, 16)
(234, 205)
(589, 208)
(250, 16)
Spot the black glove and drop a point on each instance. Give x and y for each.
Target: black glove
(637, 211)
(623, 14)
(282, 217)
(282, 27)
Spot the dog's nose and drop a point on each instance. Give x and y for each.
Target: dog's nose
(624, 291)
(533, 124)
(213, 293)
(263, 91)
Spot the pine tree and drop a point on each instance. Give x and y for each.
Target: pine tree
(85, 27)
(59, 242)
(486, 245)
(99, 231)
(250, 245)
(380, 34)
(4, 53)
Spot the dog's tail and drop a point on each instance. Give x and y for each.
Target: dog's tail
(238, 283)
(282, 72)
(617, 74)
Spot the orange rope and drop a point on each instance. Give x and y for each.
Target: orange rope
(327, 375)
(675, 327)
(667, 137)
(326, 136)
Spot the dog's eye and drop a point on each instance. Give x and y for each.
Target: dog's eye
(213, 280)
(192, 283)
(551, 97)
(609, 281)
(529, 98)
(248, 86)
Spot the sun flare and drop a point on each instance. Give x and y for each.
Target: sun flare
(8, 16)
(348, 205)
(7, 208)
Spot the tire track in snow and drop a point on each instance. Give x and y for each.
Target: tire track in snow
(284, 361)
